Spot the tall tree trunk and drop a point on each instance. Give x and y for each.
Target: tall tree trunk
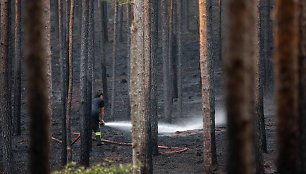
(165, 56)
(286, 65)
(264, 47)
(47, 42)
(37, 55)
(103, 58)
(84, 115)
(121, 23)
(104, 20)
(140, 92)
(206, 65)
(179, 56)
(62, 57)
(286, 73)
(258, 112)
(5, 108)
(70, 81)
(128, 26)
(239, 59)
(17, 69)
(302, 86)
(170, 49)
(154, 57)
(115, 45)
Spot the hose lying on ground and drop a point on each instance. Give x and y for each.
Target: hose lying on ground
(172, 149)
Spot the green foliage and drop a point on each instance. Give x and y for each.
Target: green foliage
(72, 168)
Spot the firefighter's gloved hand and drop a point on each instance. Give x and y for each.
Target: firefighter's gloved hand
(102, 123)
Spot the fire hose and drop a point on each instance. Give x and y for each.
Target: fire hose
(172, 149)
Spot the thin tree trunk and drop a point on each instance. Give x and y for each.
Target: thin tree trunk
(103, 59)
(239, 60)
(259, 115)
(165, 57)
(61, 40)
(286, 73)
(115, 45)
(5, 108)
(37, 55)
(154, 47)
(302, 86)
(206, 65)
(105, 20)
(128, 26)
(140, 92)
(264, 47)
(17, 68)
(84, 115)
(121, 23)
(70, 81)
(47, 42)
(179, 57)
(285, 58)
(170, 54)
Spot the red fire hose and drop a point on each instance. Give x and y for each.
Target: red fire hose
(172, 149)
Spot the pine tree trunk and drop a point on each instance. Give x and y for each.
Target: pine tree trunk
(128, 26)
(239, 60)
(154, 57)
(121, 23)
(61, 39)
(115, 45)
(286, 73)
(47, 42)
(17, 68)
(165, 57)
(259, 114)
(170, 54)
(141, 89)
(302, 86)
(84, 115)
(179, 56)
(5, 108)
(206, 65)
(105, 20)
(70, 81)
(264, 47)
(91, 54)
(37, 55)
(103, 57)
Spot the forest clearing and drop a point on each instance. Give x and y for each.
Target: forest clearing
(153, 86)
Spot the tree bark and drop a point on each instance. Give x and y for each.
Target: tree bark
(62, 57)
(239, 60)
(154, 57)
(70, 81)
(105, 20)
(206, 65)
(128, 26)
(37, 58)
(264, 47)
(120, 23)
(17, 70)
(259, 112)
(84, 115)
(141, 89)
(286, 73)
(115, 45)
(5, 108)
(179, 56)
(165, 57)
(302, 86)
(103, 57)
